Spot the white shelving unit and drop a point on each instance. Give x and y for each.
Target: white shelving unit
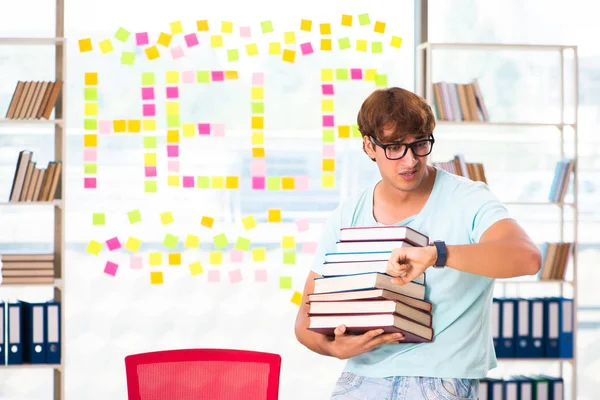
(58, 205)
(424, 87)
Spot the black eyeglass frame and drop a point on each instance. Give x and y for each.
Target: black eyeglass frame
(406, 147)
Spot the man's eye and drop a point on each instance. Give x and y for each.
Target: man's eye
(394, 148)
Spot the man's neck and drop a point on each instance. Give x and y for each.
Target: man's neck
(391, 195)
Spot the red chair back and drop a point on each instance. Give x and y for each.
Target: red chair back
(195, 374)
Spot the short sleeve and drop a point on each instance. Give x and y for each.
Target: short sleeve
(329, 239)
(483, 210)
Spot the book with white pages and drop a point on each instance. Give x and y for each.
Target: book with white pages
(357, 256)
(371, 246)
(388, 232)
(371, 280)
(361, 267)
(371, 294)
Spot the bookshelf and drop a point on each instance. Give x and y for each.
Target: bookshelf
(57, 289)
(425, 61)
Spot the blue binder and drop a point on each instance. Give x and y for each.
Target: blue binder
(495, 389)
(496, 318)
(2, 335)
(565, 333)
(13, 329)
(556, 387)
(524, 387)
(551, 326)
(32, 328)
(536, 327)
(523, 342)
(53, 333)
(506, 348)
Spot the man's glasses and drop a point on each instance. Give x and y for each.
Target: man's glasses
(395, 151)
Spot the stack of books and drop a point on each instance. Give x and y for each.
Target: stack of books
(27, 269)
(355, 290)
(33, 100)
(34, 184)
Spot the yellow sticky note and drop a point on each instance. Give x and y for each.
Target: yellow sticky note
(328, 165)
(289, 37)
(164, 39)
(132, 244)
(370, 75)
(91, 78)
(274, 48)
(252, 49)
(85, 45)
(176, 27)
(217, 182)
(328, 180)
(326, 45)
(257, 122)
(258, 152)
(257, 93)
(156, 278)
(207, 222)
(192, 241)
(274, 215)
(288, 242)
(327, 105)
(325, 29)
(172, 77)
(258, 138)
(173, 180)
(226, 27)
(155, 258)
(287, 183)
(216, 41)
(379, 27)
(166, 218)
(150, 159)
(172, 136)
(149, 124)
(195, 268)
(172, 108)
(232, 182)
(296, 298)
(106, 46)
(152, 52)
(189, 130)
(396, 42)
(306, 25)
(119, 125)
(361, 45)
(259, 254)
(346, 20)
(202, 25)
(327, 75)
(134, 126)
(231, 75)
(174, 258)
(94, 247)
(215, 258)
(249, 222)
(289, 55)
(344, 131)
(90, 140)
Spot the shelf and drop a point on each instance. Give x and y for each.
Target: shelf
(31, 121)
(57, 203)
(58, 284)
(543, 360)
(31, 366)
(30, 40)
(494, 46)
(491, 123)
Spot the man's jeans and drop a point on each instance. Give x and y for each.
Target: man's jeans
(354, 387)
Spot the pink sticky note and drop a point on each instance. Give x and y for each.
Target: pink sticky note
(217, 129)
(301, 183)
(356, 73)
(309, 247)
(302, 224)
(214, 276)
(258, 167)
(306, 48)
(176, 52)
(235, 276)
(135, 262)
(90, 154)
(218, 76)
(260, 275)
(89, 183)
(111, 268)
(173, 165)
(105, 127)
(148, 93)
(191, 40)
(245, 31)
(236, 256)
(328, 120)
(258, 78)
(188, 77)
(173, 150)
(149, 110)
(204, 129)
(141, 38)
(172, 92)
(258, 182)
(328, 151)
(188, 182)
(149, 171)
(113, 244)
(327, 88)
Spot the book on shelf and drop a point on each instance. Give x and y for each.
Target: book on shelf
(459, 102)
(555, 258)
(561, 180)
(536, 387)
(31, 183)
(33, 99)
(27, 269)
(459, 166)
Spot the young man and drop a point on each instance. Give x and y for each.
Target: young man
(476, 241)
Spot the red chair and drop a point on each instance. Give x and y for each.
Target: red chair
(198, 374)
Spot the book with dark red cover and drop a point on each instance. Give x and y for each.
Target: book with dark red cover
(378, 233)
(371, 294)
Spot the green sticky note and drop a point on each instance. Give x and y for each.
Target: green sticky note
(381, 80)
(173, 121)
(203, 76)
(150, 186)
(220, 241)
(258, 108)
(98, 219)
(148, 78)
(233, 55)
(341, 74)
(285, 282)
(89, 169)
(289, 257)
(242, 244)
(203, 182)
(149, 142)
(122, 35)
(344, 43)
(266, 26)
(363, 19)
(134, 216)
(127, 58)
(355, 132)
(376, 47)
(328, 135)
(90, 124)
(90, 94)
(273, 183)
(170, 241)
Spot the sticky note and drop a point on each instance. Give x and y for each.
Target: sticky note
(285, 282)
(233, 55)
(328, 165)
(326, 45)
(344, 131)
(94, 247)
(245, 31)
(274, 215)
(141, 38)
(90, 154)
(252, 49)
(363, 19)
(258, 108)
(288, 242)
(150, 159)
(191, 40)
(289, 258)
(346, 20)
(289, 55)
(105, 127)
(156, 278)
(149, 171)
(274, 48)
(258, 78)
(235, 276)
(89, 169)
(325, 29)
(134, 126)
(172, 136)
(232, 182)
(149, 142)
(309, 247)
(236, 256)
(203, 182)
(249, 222)
(327, 74)
(259, 254)
(148, 78)
(266, 26)
(155, 258)
(113, 244)
(192, 241)
(188, 182)
(328, 136)
(132, 244)
(257, 122)
(98, 219)
(135, 262)
(306, 49)
(356, 73)
(150, 186)
(220, 241)
(149, 124)
(176, 52)
(166, 218)
(287, 183)
(173, 180)
(327, 89)
(328, 121)
(111, 268)
(216, 41)
(122, 35)
(207, 221)
(214, 276)
(242, 243)
(106, 46)
(296, 298)
(91, 78)
(217, 76)
(90, 124)
(174, 258)
(164, 39)
(257, 93)
(379, 27)
(361, 45)
(376, 47)
(289, 37)
(260, 275)
(90, 109)
(381, 80)
(341, 74)
(134, 216)
(195, 268)
(218, 182)
(305, 25)
(89, 183)
(85, 45)
(302, 224)
(328, 180)
(172, 108)
(176, 27)
(202, 25)
(90, 140)
(327, 106)
(170, 241)
(370, 75)
(344, 43)
(396, 42)
(226, 27)
(215, 258)
(258, 182)
(148, 110)
(355, 132)
(152, 52)
(258, 152)
(90, 94)
(273, 183)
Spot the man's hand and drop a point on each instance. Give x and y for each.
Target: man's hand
(406, 263)
(345, 346)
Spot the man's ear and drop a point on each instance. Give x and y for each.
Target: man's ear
(369, 148)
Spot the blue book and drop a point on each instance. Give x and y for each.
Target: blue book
(33, 326)
(536, 327)
(565, 332)
(13, 329)
(53, 332)
(2, 334)
(551, 327)
(523, 343)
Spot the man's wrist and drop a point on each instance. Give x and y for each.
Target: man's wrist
(433, 255)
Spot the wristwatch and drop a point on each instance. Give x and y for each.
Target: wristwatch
(442, 252)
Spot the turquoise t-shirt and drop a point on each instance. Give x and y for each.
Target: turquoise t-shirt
(458, 211)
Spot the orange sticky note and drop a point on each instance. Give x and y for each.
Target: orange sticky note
(274, 215)
(306, 25)
(156, 278)
(91, 78)
(172, 136)
(329, 164)
(90, 140)
(258, 122)
(207, 222)
(164, 39)
(174, 258)
(258, 152)
(289, 55)
(325, 29)
(296, 298)
(326, 45)
(344, 131)
(232, 182)
(202, 25)
(119, 126)
(379, 27)
(346, 20)
(85, 45)
(152, 53)
(287, 183)
(134, 126)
